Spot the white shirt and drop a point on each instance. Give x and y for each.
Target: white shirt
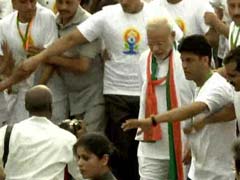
(189, 14)
(160, 149)
(211, 147)
(124, 36)
(39, 150)
(5, 8)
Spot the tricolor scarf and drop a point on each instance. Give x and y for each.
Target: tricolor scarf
(26, 37)
(174, 129)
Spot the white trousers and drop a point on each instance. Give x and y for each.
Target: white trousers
(153, 169)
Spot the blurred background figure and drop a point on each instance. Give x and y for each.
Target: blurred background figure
(236, 156)
(93, 6)
(50, 4)
(5, 8)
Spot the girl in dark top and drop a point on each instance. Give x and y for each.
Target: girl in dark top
(93, 151)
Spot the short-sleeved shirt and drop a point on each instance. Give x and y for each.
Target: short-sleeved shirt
(124, 36)
(211, 147)
(84, 89)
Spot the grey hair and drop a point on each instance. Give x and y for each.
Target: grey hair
(158, 22)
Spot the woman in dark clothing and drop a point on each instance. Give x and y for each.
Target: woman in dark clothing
(93, 151)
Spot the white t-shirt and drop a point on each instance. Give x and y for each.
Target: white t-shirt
(211, 147)
(5, 8)
(124, 36)
(39, 150)
(189, 14)
(160, 149)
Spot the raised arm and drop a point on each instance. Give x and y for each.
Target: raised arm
(212, 20)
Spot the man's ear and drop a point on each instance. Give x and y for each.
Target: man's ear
(105, 159)
(206, 60)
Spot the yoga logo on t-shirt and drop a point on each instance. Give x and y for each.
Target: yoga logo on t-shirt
(131, 38)
(181, 24)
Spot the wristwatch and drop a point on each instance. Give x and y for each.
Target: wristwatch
(154, 121)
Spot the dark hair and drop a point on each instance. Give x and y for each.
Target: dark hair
(196, 44)
(95, 143)
(233, 56)
(86, 2)
(236, 154)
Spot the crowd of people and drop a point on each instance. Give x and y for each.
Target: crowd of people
(154, 82)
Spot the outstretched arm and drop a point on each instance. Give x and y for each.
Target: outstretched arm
(58, 47)
(177, 114)
(18, 75)
(27, 67)
(227, 113)
(78, 65)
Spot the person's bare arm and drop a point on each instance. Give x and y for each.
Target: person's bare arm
(80, 64)
(227, 113)
(28, 66)
(177, 114)
(46, 74)
(18, 75)
(212, 20)
(75, 65)
(212, 37)
(58, 47)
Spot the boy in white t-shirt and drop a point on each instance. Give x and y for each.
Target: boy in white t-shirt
(211, 147)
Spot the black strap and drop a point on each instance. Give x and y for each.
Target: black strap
(6, 144)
